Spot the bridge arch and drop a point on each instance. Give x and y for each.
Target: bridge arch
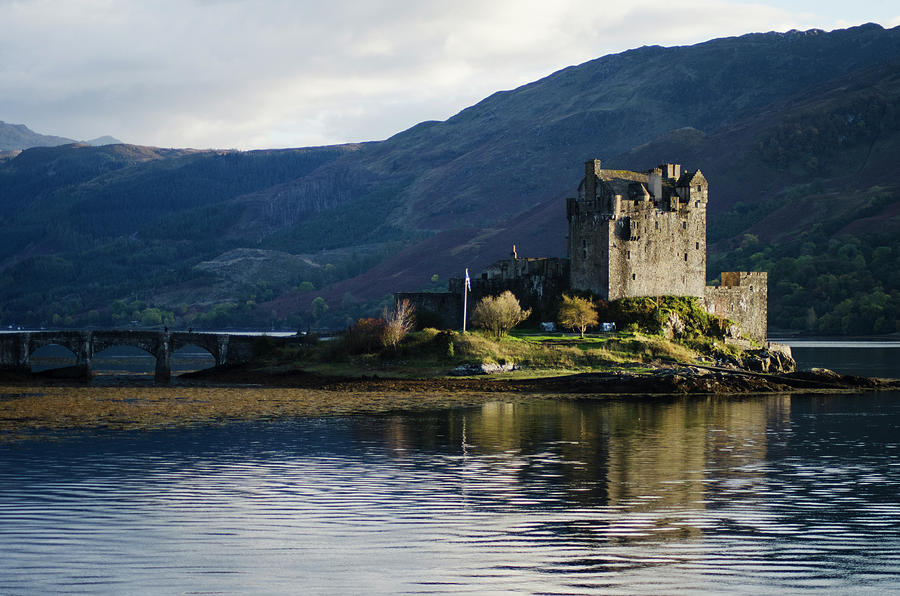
(215, 344)
(75, 342)
(122, 359)
(153, 342)
(189, 357)
(52, 355)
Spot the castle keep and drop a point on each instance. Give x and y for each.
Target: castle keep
(630, 234)
(634, 234)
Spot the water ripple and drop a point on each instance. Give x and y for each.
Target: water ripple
(745, 496)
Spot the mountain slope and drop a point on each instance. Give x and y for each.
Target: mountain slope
(774, 120)
(19, 136)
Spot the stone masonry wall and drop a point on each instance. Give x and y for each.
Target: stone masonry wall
(655, 252)
(443, 308)
(743, 298)
(537, 283)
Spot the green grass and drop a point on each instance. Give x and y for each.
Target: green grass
(431, 353)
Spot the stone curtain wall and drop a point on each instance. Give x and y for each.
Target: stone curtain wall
(537, 283)
(440, 309)
(743, 298)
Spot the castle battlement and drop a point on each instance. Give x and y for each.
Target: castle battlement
(744, 278)
(612, 194)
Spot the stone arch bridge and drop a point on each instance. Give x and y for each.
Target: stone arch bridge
(16, 348)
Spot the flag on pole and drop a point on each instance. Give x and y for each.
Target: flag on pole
(466, 289)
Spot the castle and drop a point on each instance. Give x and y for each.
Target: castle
(630, 234)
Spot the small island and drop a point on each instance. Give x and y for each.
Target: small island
(634, 275)
(667, 345)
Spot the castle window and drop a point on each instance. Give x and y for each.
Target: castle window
(628, 254)
(699, 188)
(696, 203)
(684, 225)
(633, 276)
(657, 225)
(685, 257)
(698, 245)
(751, 288)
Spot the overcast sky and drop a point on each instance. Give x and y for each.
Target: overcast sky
(277, 73)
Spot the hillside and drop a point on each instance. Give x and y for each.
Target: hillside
(793, 130)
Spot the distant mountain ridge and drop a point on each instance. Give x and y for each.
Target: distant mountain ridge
(776, 121)
(104, 140)
(19, 136)
(15, 137)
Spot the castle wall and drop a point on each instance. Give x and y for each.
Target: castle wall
(537, 283)
(441, 308)
(654, 252)
(587, 246)
(743, 298)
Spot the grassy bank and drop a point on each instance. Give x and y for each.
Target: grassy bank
(431, 353)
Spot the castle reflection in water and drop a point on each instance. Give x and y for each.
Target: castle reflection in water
(623, 455)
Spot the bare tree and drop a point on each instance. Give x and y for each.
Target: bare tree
(577, 313)
(498, 315)
(397, 323)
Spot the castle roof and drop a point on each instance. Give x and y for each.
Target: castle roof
(691, 178)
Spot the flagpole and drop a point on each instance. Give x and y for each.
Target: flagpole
(465, 298)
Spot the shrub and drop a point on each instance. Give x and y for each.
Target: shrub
(497, 315)
(577, 313)
(364, 336)
(649, 314)
(398, 323)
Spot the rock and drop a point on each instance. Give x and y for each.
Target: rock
(674, 326)
(487, 368)
(766, 361)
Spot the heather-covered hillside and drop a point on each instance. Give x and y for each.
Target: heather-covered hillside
(796, 132)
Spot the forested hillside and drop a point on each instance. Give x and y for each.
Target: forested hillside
(796, 132)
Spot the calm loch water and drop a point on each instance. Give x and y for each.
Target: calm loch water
(760, 495)
(774, 494)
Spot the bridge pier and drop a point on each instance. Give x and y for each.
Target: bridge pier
(85, 353)
(222, 352)
(14, 352)
(23, 360)
(163, 373)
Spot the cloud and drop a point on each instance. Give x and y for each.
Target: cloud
(264, 73)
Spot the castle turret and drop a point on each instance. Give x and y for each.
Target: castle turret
(655, 184)
(591, 173)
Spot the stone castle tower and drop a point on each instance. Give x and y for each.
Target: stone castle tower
(631, 234)
(638, 234)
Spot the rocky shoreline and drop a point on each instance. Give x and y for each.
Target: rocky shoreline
(664, 380)
(675, 379)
